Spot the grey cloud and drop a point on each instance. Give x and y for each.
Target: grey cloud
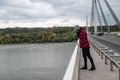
(57, 2)
(65, 20)
(67, 6)
(70, 8)
(65, 9)
(20, 13)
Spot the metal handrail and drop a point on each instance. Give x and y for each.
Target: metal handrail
(109, 57)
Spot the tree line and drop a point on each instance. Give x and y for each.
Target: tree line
(37, 35)
(113, 28)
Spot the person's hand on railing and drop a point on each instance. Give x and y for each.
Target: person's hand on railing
(78, 44)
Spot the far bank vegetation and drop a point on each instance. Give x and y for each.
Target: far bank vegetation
(37, 35)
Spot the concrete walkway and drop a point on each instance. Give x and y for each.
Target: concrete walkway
(102, 71)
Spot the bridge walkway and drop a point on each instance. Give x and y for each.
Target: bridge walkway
(102, 71)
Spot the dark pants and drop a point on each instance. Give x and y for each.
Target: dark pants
(86, 53)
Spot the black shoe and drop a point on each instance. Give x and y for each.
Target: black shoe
(92, 69)
(83, 68)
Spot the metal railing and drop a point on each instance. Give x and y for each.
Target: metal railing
(72, 72)
(107, 54)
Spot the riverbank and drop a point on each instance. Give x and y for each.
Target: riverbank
(37, 35)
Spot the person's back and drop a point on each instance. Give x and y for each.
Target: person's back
(83, 38)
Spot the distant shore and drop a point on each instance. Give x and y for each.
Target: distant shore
(37, 35)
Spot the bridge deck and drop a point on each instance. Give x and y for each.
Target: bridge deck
(102, 71)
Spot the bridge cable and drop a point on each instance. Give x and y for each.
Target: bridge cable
(103, 15)
(113, 14)
(92, 14)
(96, 7)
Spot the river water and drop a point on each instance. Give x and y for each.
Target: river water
(35, 61)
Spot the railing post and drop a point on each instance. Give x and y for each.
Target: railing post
(119, 74)
(99, 52)
(111, 66)
(106, 60)
(101, 55)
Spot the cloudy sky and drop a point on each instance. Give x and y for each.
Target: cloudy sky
(44, 13)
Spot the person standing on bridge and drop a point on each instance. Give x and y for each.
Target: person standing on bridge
(84, 44)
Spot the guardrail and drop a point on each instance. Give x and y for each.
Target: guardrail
(72, 72)
(107, 54)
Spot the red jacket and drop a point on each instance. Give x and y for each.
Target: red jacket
(82, 35)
